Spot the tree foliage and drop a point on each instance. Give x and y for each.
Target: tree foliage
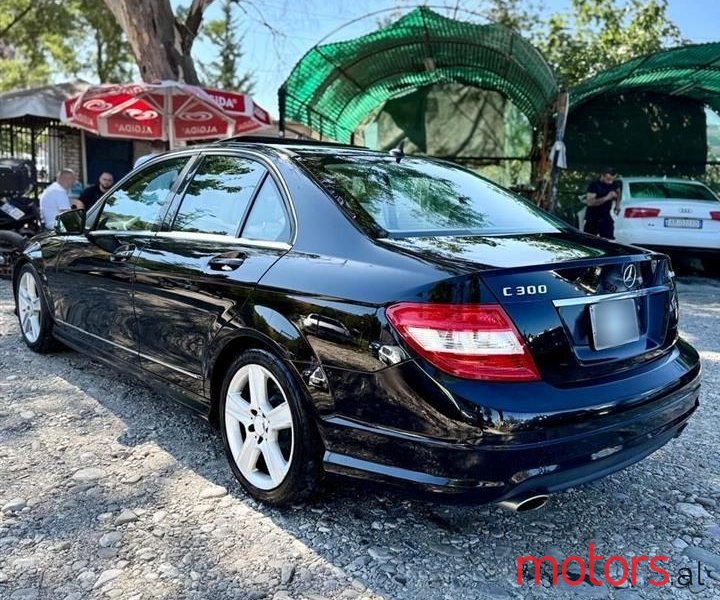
(592, 35)
(39, 38)
(224, 72)
(598, 34)
(110, 57)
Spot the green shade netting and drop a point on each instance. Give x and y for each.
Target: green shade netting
(691, 71)
(335, 86)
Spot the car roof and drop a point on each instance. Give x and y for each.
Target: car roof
(280, 146)
(638, 178)
(281, 141)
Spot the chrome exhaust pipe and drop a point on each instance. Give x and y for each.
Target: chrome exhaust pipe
(525, 503)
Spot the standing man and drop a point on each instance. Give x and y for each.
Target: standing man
(92, 193)
(157, 147)
(55, 199)
(602, 194)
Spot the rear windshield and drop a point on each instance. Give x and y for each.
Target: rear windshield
(423, 197)
(661, 190)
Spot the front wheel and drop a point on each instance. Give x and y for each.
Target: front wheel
(33, 312)
(269, 437)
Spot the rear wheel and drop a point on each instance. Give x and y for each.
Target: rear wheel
(33, 313)
(269, 438)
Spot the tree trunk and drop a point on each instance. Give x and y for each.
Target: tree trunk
(160, 42)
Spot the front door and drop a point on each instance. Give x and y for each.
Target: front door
(92, 284)
(195, 277)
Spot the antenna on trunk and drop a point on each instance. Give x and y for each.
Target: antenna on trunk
(398, 152)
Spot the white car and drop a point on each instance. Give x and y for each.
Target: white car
(670, 215)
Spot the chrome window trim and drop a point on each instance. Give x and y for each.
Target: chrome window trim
(213, 237)
(607, 297)
(272, 169)
(99, 206)
(130, 350)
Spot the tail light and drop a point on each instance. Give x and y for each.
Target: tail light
(715, 215)
(471, 341)
(641, 213)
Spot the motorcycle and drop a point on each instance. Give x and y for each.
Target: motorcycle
(19, 214)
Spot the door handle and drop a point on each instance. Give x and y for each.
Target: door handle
(123, 253)
(226, 262)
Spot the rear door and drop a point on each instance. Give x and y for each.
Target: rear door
(195, 275)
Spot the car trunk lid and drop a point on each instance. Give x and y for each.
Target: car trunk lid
(550, 286)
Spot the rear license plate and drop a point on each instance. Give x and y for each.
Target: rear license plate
(614, 323)
(684, 223)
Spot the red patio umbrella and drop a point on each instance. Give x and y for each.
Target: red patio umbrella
(168, 110)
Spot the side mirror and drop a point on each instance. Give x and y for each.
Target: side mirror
(70, 222)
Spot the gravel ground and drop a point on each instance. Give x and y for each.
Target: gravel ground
(109, 491)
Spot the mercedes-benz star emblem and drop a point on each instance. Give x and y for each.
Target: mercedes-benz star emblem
(629, 275)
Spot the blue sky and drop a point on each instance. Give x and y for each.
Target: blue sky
(300, 24)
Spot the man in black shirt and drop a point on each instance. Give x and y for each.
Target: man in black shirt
(601, 195)
(92, 193)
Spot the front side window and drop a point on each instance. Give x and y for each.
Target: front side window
(268, 219)
(138, 205)
(218, 195)
(417, 197)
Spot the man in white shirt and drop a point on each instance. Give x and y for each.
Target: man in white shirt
(55, 199)
(157, 147)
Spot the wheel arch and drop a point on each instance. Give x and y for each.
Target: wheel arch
(17, 267)
(269, 331)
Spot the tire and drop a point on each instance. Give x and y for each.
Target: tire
(31, 307)
(277, 459)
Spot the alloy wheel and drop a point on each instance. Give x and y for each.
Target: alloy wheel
(259, 426)
(29, 307)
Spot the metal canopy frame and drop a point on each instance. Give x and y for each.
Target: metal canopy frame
(336, 85)
(692, 71)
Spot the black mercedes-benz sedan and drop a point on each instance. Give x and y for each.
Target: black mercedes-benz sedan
(340, 311)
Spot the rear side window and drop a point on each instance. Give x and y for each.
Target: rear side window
(137, 205)
(218, 195)
(421, 197)
(661, 190)
(268, 219)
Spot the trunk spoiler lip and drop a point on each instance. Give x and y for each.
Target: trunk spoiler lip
(575, 263)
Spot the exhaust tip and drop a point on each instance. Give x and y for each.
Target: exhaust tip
(526, 503)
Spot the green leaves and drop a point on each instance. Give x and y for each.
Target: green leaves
(223, 72)
(592, 35)
(70, 38)
(598, 34)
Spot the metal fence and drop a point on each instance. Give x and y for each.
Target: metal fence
(40, 141)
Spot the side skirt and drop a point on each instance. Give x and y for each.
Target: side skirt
(163, 387)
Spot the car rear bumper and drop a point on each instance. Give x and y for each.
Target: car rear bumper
(523, 454)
